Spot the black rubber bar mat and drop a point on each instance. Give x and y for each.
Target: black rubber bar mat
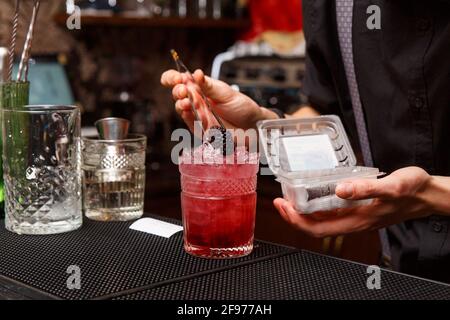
(111, 257)
(12, 290)
(301, 275)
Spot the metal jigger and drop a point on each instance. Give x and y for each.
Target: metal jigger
(113, 128)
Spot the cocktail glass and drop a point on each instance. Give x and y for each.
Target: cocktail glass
(219, 207)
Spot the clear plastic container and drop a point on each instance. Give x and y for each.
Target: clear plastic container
(318, 194)
(310, 157)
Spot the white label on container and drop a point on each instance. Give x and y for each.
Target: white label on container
(156, 227)
(313, 152)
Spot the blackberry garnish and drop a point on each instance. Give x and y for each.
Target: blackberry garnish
(220, 138)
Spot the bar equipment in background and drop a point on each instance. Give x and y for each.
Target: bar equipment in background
(56, 89)
(41, 148)
(217, 9)
(145, 119)
(137, 8)
(12, 44)
(268, 61)
(194, 9)
(162, 8)
(112, 128)
(97, 7)
(113, 168)
(181, 8)
(269, 79)
(26, 53)
(202, 9)
(214, 9)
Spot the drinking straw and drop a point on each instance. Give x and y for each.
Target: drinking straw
(25, 59)
(12, 45)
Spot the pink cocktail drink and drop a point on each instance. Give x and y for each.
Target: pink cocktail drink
(219, 206)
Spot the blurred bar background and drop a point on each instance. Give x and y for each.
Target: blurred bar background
(112, 67)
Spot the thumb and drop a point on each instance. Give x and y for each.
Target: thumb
(215, 90)
(367, 189)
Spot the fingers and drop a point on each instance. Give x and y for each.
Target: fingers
(214, 89)
(348, 221)
(171, 78)
(178, 81)
(206, 83)
(305, 223)
(292, 216)
(199, 76)
(388, 187)
(183, 105)
(278, 203)
(179, 92)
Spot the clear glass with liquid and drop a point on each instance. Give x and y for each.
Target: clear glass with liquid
(114, 178)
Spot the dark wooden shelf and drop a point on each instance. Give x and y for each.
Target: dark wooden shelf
(131, 21)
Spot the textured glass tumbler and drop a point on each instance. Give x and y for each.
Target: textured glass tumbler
(219, 208)
(41, 169)
(114, 178)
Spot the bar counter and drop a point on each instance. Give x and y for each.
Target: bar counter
(118, 263)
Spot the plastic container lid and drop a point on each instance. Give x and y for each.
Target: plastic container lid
(308, 147)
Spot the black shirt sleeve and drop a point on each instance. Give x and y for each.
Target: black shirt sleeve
(319, 85)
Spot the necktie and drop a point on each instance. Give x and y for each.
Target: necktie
(344, 18)
(344, 14)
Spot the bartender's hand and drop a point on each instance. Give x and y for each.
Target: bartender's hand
(406, 194)
(236, 109)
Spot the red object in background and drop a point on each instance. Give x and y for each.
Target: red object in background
(274, 15)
